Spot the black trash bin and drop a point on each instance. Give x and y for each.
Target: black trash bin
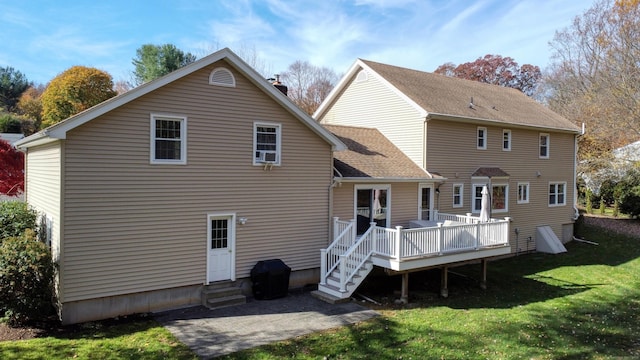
(270, 279)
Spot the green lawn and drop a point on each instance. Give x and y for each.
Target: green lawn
(584, 304)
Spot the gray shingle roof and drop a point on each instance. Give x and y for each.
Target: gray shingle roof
(370, 154)
(443, 95)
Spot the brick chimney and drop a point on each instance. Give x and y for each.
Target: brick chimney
(276, 82)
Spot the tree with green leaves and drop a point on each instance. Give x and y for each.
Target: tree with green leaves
(154, 61)
(12, 84)
(73, 91)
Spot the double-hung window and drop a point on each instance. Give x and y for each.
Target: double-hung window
(523, 193)
(266, 143)
(544, 146)
(499, 198)
(168, 139)
(506, 140)
(557, 193)
(481, 138)
(458, 190)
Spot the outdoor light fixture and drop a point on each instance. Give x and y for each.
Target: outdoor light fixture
(242, 220)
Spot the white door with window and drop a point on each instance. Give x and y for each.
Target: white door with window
(425, 202)
(220, 247)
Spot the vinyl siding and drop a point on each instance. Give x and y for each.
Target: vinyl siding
(43, 187)
(132, 226)
(452, 153)
(384, 110)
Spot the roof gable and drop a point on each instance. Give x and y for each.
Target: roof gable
(59, 130)
(371, 155)
(443, 97)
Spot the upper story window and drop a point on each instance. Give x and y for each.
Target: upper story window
(523, 193)
(557, 195)
(481, 141)
(544, 146)
(458, 190)
(168, 139)
(506, 140)
(266, 143)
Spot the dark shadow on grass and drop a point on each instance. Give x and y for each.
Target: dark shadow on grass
(511, 281)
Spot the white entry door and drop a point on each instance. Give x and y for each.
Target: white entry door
(425, 203)
(221, 247)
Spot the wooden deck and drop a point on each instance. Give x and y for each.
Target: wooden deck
(454, 239)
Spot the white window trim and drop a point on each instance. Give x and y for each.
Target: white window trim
(506, 198)
(453, 196)
(564, 198)
(183, 139)
(508, 133)
(473, 195)
(484, 137)
(278, 127)
(386, 187)
(548, 146)
(490, 186)
(528, 187)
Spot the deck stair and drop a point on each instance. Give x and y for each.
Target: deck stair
(222, 294)
(332, 285)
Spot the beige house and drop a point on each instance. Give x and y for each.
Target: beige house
(183, 182)
(463, 136)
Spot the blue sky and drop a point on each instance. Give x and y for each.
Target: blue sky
(43, 38)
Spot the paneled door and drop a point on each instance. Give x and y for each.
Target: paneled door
(221, 241)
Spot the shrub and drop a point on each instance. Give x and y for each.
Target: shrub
(26, 279)
(628, 193)
(15, 218)
(589, 202)
(603, 207)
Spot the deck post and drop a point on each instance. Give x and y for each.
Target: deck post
(440, 238)
(323, 266)
(469, 220)
(436, 216)
(444, 282)
(343, 274)
(354, 232)
(399, 242)
(374, 237)
(483, 276)
(404, 294)
(477, 237)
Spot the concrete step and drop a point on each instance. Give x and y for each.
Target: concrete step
(219, 302)
(210, 293)
(328, 298)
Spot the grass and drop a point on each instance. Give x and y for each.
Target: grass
(584, 304)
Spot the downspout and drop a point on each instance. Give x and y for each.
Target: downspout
(335, 181)
(576, 212)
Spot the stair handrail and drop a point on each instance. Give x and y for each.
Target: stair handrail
(329, 257)
(366, 241)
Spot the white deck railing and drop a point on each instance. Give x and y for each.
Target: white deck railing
(462, 234)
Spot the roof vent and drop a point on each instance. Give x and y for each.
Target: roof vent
(222, 77)
(362, 76)
(471, 104)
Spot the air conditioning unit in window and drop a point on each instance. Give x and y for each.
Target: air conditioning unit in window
(266, 156)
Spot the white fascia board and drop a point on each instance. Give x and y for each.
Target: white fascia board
(490, 122)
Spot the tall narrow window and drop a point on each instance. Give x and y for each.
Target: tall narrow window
(266, 146)
(476, 198)
(557, 193)
(506, 140)
(168, 139)
(523, 193)
(544, 146)
(482, 138)
(458, 190)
